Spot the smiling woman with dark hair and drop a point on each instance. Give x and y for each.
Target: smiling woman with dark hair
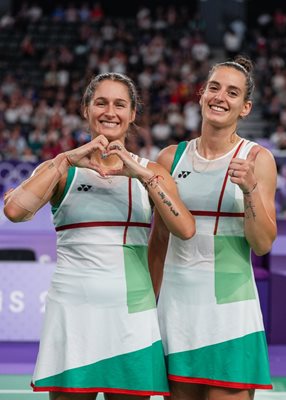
(101, 332)
(209, 312)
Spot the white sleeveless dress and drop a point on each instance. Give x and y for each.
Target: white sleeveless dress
(209, 312)
(101, 331)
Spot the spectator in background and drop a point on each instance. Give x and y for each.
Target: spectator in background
(191, 111)
(28, 155)
(84, 12)
(7, 21)
(282, 115)
(58, 14)
(161, 131)
(232, 43)
(36, 140)
(9, 85)
(279, 20)
(4, 137)
(71, 13)
(27, 47)
(143, 17)
(200, 50)
(278, 138)
(174, 115)
(16, 143)
(239, 27)
(97, 12)
(52, 146)
(280, 195)
(26, 108)
(34, 12)
(41, 114)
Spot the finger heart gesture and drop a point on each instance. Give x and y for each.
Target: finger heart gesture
(85, 156)
(107, 158)
(125, 164)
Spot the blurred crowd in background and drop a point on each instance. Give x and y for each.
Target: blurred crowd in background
(47, 59)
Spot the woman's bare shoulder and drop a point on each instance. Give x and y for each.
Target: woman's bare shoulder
(166, 156)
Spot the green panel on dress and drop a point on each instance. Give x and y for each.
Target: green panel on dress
(233, 271)
(241, 360)
(180, 149)
(140, 293)
(70, 176)
(141, 370)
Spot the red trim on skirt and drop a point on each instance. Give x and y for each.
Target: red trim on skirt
(213, 382)
(97, 390)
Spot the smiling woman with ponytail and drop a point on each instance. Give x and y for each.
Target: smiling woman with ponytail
(208, 307)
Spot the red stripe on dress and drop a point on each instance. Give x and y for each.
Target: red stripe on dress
(214, 382)
(96, 390)
(129, 209)
(223, 189)
(216, 213)
(102, 223)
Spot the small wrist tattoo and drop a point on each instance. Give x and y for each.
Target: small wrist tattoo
(152, 182)
(247, 193)
(51, 165)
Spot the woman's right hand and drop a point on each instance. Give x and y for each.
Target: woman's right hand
(83, 156)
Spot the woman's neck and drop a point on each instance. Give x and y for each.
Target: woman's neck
(216, 145)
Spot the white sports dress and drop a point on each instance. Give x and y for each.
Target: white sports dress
(101, 331)
(209, 311)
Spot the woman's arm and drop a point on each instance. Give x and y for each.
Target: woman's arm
(164, 194)
(165, 159)
(22, 203)
(157, 249)
(259, 205)
(257, 179)
(47, 182)
(159, 237)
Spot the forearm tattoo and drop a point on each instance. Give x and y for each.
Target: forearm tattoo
(153, 183)
(168, 203)
(249, 210)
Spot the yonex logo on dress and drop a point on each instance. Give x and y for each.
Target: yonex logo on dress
(84, 188)
(184, 174)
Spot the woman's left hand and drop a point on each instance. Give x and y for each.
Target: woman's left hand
(241, 171)
(130, 166)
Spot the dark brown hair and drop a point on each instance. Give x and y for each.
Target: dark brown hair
(244, 65)
(112, 76)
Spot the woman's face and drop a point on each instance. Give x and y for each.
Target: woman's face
(222, 102)
(109, 112)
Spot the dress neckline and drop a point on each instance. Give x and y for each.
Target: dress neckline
(225, 155)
